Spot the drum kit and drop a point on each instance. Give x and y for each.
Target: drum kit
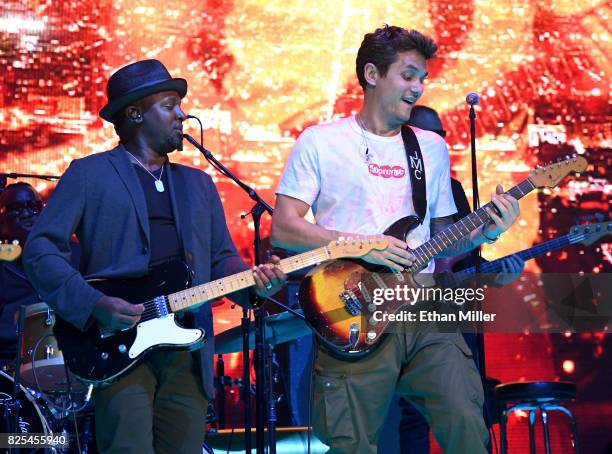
(47, 399)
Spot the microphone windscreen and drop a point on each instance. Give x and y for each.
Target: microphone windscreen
(472, 98)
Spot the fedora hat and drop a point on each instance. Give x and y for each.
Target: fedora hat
(136, 81)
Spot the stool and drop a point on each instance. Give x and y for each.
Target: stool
(533, 396)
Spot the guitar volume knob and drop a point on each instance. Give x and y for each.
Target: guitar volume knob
(104, 355)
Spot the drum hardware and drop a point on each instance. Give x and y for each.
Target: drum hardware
(26, 410)
(280, 328)
(42, 362)
(16, 382)
(21, 411)
(49, 321)
(49, 353)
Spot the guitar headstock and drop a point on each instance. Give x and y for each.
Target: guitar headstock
(10, 251)
(550, 175)
(356, 247)
(589, 233)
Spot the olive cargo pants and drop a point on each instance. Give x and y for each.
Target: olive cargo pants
(435, 371)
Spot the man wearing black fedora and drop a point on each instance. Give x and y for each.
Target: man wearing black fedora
(132, 209)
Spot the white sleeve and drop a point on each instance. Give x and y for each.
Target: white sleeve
(443, 203)
(301, 178)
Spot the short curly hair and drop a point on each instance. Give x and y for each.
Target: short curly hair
(382, 46)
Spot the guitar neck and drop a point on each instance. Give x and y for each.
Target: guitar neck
(450, 235)
(196, 296)
(495, 266)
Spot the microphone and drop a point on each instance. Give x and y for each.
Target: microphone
(207, 154)
(192, 141)
(472, 98)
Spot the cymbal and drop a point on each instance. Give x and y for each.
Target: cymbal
(280, 328)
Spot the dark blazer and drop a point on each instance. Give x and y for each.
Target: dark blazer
(100, 198)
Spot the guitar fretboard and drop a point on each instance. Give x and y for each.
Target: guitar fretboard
(450, 235)
(495, 266)
(196, 296)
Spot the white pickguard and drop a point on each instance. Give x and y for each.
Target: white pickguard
(163, 331)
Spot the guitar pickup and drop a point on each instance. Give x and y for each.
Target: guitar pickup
(364, 291)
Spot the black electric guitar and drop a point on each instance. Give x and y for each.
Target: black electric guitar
(336, 297)
(97, 356)
(579, 234)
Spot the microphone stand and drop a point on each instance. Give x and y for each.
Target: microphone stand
(261, 389)
(5, 176)
(477, 254)
(15, 428)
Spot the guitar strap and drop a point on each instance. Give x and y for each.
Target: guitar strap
(416, 169)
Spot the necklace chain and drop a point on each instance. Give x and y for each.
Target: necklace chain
(159, 184)
(361, 125)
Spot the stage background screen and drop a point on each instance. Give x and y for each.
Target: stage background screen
(259, 72)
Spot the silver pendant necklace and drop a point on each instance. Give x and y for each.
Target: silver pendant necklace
(361, 124)
(159, 184)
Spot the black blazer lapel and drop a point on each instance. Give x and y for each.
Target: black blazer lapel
(181, 211)
(123, 165)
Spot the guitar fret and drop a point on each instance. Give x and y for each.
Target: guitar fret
(230, 284)
(428, 248)
(438, 247)
(426, 251)
(444, 234)
(452, 231)
(462, 227)
(469, 218)
(215, 289)
(484, 219)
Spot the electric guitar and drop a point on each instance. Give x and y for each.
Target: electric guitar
(336, 297)
(10, 251)
(98, 356)
(579, 234)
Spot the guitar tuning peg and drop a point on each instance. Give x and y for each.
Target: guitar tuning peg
(599, 217)
(567, 157)
(574, 155)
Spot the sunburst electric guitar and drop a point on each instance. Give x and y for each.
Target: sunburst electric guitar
(97, 356)
(336, 296)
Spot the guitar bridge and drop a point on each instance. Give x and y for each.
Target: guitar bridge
(161, 306)
(351, 302)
